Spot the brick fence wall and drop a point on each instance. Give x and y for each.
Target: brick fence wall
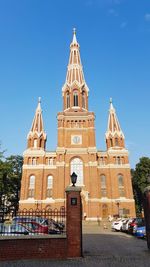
(33, 248)
(49, 247)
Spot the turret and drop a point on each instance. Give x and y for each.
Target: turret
(37, 137)
(114, 135)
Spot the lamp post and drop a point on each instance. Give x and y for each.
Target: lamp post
(118, 205)
(38, 204)
(73, 178)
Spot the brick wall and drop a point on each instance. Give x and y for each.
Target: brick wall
(33, 248)
(49, 247)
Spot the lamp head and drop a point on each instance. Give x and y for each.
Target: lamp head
(73, 178)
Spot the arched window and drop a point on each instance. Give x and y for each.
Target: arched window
(104, 210)
(75, 99)
(118, 160)
(35, 143)
(49, 185)
(50, 161)
(116, 142)
(83, 100)
(77, 167)
(41, 141)
(120, 180)
(103, 185)
(121, 185)
(31, 186)
(111, 142)
(34, 161)
(68, 100)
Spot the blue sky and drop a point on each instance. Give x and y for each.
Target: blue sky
(114, 38)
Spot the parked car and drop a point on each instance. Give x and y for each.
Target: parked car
(140, 231)
(27, 219)
(39, 225)
(125, 225)
(135, 222)
(117, 225)
(13, 229)
(52, 224)
(35, 227)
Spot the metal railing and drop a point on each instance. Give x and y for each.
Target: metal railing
(33, 222)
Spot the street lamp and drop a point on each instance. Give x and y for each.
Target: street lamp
(118, 204)
(73, 178)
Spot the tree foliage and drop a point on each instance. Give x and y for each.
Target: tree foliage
(10, 179)
(140, 179)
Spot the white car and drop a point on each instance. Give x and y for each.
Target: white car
(125, 225)
(117, 225)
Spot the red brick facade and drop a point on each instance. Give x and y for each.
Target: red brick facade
(104, 176)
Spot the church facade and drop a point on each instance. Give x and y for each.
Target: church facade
(104, 176)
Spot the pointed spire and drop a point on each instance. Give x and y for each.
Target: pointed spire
(75, 71)
(114, 134)
(37, 129)
(37, 124)
(74, 41)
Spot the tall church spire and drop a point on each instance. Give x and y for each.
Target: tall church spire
(75, 90)
(114, 134)
(37, 137)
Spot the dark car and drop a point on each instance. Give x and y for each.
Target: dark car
(52, 224)
(139, 231)
(135, 222)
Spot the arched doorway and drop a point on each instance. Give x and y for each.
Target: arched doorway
(104, 211)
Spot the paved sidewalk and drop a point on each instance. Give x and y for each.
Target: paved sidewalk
(102, 248)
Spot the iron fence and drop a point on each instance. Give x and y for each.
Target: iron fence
(33, 222)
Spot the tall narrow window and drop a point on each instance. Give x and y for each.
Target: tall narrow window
(103, 185)
(77, 167)
(121, 185)
(49, 185)
(102, 161)
(34, 161)
(111, 142)
(83, 100)
(116, 142)
(31, 186)
(118, 160)
(35, 143)
(68, 100)
(50, 161)
(75, 99)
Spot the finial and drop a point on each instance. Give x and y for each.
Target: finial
(39, 100)
(74, 41)
(74, 30)
(110, 100)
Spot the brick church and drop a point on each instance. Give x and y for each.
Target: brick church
(103, 175)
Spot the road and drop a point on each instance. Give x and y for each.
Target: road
(101, 248)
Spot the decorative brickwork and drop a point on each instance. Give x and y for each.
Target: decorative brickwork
(76, 151)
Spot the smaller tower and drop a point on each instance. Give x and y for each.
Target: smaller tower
(114, 135)
(37, 137)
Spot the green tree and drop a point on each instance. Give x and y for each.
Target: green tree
(140, 179)
(14, 174)
(3, 179)
(10, 179)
